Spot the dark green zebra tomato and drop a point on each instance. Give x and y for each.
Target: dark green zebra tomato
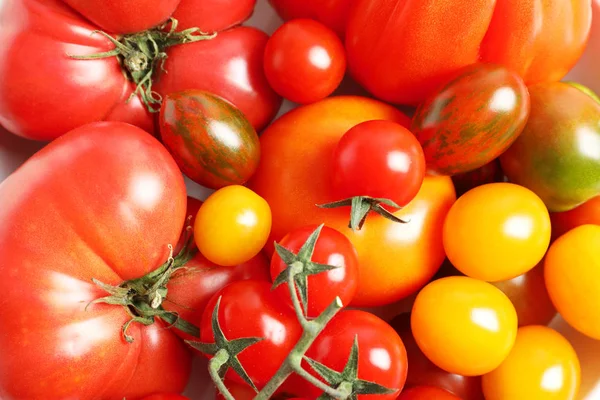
(558, 154)
(472, 119)
(210, 139)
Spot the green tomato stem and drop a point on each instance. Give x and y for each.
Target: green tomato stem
(295, 268)
(214, 365)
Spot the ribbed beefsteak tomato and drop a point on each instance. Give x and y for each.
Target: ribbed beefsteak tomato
(403, 50)
(103, 202)
(333, 13)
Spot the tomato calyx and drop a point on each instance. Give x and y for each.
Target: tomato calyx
(300, 267)
(142, 298)
(347, 381)
(140, 54)
(361, 206)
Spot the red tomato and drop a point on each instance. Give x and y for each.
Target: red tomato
(250, 309)
(332, 13)
(332, 248)
(213, 15)
(587, 213)
(166, 396)
(304, 61)
(403, 50)
(238, 391)
(379, 159)
(90, 205)
(489, 173)
(427, 393)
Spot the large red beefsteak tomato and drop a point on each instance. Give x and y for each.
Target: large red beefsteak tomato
(332, 13)
(102, 202)
(403, 50)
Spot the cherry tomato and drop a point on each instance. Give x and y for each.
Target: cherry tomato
(238, 391)
(332, 248)
(542, 365)
(496, 232)
(304, 61)
(572, 272)
(463, 325)
(427, 393)
(165, 396)
(489, 173)
(250, 309)
(232, 226)
(587, 213)
(380, 159)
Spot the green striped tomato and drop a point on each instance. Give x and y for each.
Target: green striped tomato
(210, 139)
(472, 119)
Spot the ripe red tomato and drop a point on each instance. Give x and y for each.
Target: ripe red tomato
(304, 61)
(89, 205)
(401, 51)
(213, 15)
(332, 248)
(165, 396)
(379, 159)
(427, 393)
(250, 309)
(332, 13)
(587, 213)
(489, 173)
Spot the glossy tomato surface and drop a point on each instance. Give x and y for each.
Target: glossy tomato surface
(210, 139)
(427, 393)
(463, 325)
(558, 154)
(541, 365)
(395, 259)
(165, 396)
(587, 213)
(472, 119)
(497, 232)
(212, 15)
(83, 222)
(402, 51)
(304, 61)
(332, 13)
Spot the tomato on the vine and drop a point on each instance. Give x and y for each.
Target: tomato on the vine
(304, 61)
(463, 325)
(427, 393)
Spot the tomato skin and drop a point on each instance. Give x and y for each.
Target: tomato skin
(212, 15)
(538, 352)
(40, 88)
(83, 222)
(402, 51)
(497, 232)
(332, 248)
(395, 260)
(489, 173)
(231, 66)
(251, 309)
(332, 13)
(165, 396)
(361, 163)
(473, 343)
(427, 393)
(571, 274)
(562, 171)
(587, 213)
(304, 61)
(210, 139)
(471, 119)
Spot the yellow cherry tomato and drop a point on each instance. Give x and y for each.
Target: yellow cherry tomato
(496, 232)
(232, 225)
(572, 274)
(463, 325)
(542, 365)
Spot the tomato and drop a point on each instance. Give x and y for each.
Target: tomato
(211, 140)
(463, 325)
(304, 61)
(427, 393)
(395, 260)
(489, 173)
(587, 213)
(422, 372)
(401, 51)
(381, 353)
(249, 309)
(571, 271)
(541, 365)
(232, 226)
(332, 248)
(332, 13)
(472, 119)
(564, 171)
(165, 396)
(213, 15)
(379, 159)
(497, 232)
(89, 205)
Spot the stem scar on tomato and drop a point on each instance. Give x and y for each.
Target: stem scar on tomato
(361, 206)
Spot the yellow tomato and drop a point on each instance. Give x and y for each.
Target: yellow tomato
(542, 365)
(496, 232)
(572, 274)
(232, 225)
(463, 325)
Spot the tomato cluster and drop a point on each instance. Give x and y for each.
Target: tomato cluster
(478, 209)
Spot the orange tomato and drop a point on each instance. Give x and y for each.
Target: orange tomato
(572, 272)
(497, 232)
(542, 365)
(463, 325)
(587, 213)
(294, 176)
